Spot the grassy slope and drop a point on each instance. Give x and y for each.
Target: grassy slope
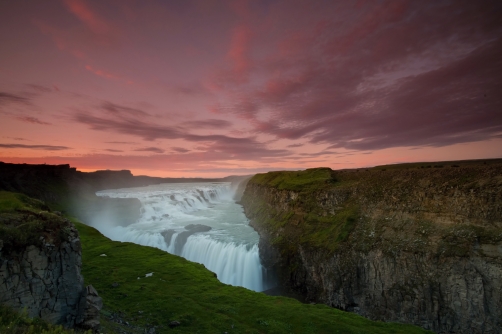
(183, 291)
(13, 322)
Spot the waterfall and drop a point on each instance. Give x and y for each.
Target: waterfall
(198, 221)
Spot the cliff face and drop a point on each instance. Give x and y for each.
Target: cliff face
(40, 263)
(408, 244)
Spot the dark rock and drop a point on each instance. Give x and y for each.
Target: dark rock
(198, 228)
(93, 307)
(181, 239)
(47, 283)
(167, 236)
(174, 324)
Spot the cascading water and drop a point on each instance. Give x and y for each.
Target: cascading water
(198, 221)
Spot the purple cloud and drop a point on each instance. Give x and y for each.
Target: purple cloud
(33, 120)
(150, 149)
(36, 147)
(207, 124)
(180, 149)
(11, 98)
(116, 109)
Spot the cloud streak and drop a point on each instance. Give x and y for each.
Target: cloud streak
(207, 124)
(150, 149)
(36, 147)
(33, 120)
(235, 147)
(12, 98)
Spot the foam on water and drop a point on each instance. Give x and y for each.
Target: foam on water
(176, 218)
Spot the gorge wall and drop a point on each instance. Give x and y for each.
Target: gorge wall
(418, 244)
(40, 264)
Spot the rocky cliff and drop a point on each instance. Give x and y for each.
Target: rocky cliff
(419, 244)
(40, 264)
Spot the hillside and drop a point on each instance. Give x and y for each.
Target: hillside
(415, 243)
(147, 290)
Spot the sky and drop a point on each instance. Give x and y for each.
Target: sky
(215, 88)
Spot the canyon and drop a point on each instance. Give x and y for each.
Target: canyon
(411, 243)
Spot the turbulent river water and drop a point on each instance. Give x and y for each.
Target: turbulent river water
(198, 221)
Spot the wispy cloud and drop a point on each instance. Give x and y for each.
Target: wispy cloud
(119, 142)
(108, 75)
(40, 88)
(207, 124)
(234, 147)
(12, 98)
(180, 149)
(116, 109)
(90, 18)
(33, 120)
(36, 147)
(150, 149)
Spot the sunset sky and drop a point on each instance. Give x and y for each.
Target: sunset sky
(214, 88)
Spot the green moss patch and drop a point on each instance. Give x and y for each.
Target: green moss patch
(25, 221)
(14, 322)
(297, 181)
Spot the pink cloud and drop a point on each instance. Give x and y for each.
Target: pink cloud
(108, 75)
(239, 52)
(62, 39)
(85, 14)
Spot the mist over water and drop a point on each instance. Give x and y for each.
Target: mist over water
(198, 221)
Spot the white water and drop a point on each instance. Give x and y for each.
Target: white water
(230, 248)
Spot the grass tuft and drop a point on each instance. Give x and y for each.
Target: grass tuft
(14, 322)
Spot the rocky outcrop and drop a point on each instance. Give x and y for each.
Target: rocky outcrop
(45, 280)
(412, 245)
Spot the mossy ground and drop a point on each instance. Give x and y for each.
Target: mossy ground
(13, 322)
(24, 220)
(306, 180)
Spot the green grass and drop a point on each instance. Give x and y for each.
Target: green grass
(24, 220)
(11, 202)
(297, 181)
(14, 322)
(183, 291)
